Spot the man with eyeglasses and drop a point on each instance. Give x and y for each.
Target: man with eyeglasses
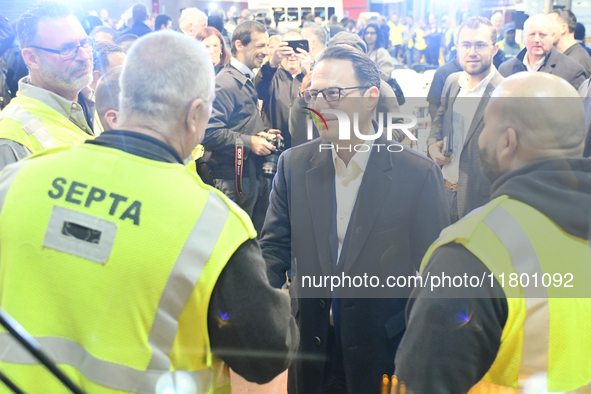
(54, 107)
(453, 141)
(540, 55)
(347, 208)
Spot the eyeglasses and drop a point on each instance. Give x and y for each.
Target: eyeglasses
(371, 33)
(329, 94)
(71, 51)
(479, 47)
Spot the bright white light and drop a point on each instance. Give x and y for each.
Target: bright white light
(233, 9)
(213, 6)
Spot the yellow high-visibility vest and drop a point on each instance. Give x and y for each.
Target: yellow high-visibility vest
(37, 126)
(547, 335)
(109, 261)
(395, 33)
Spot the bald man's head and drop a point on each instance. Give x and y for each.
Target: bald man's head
(530, 117)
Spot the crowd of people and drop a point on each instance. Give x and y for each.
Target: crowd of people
(161, 192)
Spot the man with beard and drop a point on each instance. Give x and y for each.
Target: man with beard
(530, 336)
(453, 141)
(53, 106)
(236, 140)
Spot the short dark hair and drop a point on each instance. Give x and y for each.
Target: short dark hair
(103, 29)
(100, 54)
(366, 71)
(474, 22)
(107, 93)
(28, 23)
(567, 17)
(334, 19)
(380, 42)
(161, 20)
(243, 33)
(139, 12)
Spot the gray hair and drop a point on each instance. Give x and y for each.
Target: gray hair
(28, 23)
(318, 32)
(163, 73)
(538, 19)
(189, 15)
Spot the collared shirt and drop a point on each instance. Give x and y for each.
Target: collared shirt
(536, 66)
(69, 109)
(347, 181)
(238, 65)
(464, 108)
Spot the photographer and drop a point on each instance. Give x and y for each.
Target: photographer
(279, 80)
(235, 151)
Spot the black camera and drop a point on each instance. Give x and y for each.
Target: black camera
(270, 164)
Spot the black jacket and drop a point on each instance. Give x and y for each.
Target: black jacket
(235, 113)
(277, 89)
(437, 355)
(580, 55)
(556, 63)
(261, 340)
(436, 89)
(139, 29)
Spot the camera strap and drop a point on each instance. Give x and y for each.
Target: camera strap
(239, 165)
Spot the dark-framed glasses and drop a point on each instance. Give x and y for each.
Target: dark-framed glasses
(70, 51)
(479, 47)
(329, 94)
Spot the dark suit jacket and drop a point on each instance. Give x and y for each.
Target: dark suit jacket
(399, 211)
(473, 188)
(139, 29)
(277, 89)
(234, 114)
(556, 63)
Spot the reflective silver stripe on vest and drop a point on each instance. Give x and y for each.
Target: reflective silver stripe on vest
(31, 124)
(8, 175)
(183, 279)
(536, 329)
(105, 373)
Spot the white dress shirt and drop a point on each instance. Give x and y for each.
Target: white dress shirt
(347, 181)
(464, 107)
(536, 66)
(237, 64)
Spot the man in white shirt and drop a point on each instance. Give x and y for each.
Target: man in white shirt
(357, 208)
(453, 141)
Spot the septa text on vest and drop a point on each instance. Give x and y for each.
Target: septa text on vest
(77, 191)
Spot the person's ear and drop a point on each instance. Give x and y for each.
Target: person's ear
(239, 46)
(111, 120)
(96, 75)
(196, 115)
(507, 147)
(371, 97)
(31, 58)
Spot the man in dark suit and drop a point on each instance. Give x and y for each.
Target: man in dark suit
(349, 208)
(458, 122)
(140, 15)
(541, 55)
